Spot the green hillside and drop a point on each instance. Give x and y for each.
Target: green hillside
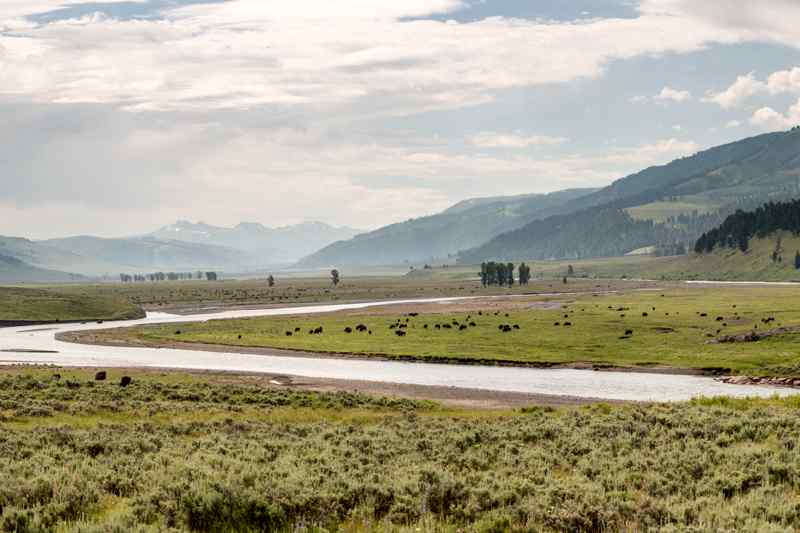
(25, 304)
(680, 200)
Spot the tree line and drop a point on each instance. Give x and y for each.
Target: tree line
(737, 230)
(502, 274)
(168, 276)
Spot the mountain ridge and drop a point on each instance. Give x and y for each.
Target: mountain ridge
(743, 173)
(435, 237)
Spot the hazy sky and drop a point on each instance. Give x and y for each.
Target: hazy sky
(119, 117)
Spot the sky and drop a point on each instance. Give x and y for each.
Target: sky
(117, 117)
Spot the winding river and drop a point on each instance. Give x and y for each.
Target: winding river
(37, 345)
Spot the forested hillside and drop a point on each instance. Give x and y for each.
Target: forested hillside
(427, 239)
(589, 233)
(693, 195)
(739, 228)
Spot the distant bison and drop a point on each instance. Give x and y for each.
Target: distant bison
(100, 376)
(400, 333)
(462, 327)
(125, 381)
(628, 332)
(288, 333)
(348, 329)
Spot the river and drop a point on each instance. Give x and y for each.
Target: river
(38, 345)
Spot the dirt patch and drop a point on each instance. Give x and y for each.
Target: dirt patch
(472, 306)
(754, 336)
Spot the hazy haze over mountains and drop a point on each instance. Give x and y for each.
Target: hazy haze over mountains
(436, 237)
(182, 246)
(269, 245)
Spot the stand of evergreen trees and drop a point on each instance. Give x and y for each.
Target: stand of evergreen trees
(502, 274)
(737, 230)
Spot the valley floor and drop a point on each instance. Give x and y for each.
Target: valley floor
(642, 327)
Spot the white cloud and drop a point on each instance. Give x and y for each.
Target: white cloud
(761, 20)
(743, 88)
(668, 94)
(259, 110)
(490, 139)
(784, 81)
(746, 86)
(733, 124)
(243, 54)
(769, 119)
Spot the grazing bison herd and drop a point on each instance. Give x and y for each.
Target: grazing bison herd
(99, 376)
(403, 325)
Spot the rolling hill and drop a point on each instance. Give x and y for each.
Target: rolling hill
(146, 253)
(690, 195)
(436, 237)
(12, 270)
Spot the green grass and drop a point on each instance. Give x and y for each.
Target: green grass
(661, 211)
(25, 304)
(672, 335)
(185, 453)
(731, 264)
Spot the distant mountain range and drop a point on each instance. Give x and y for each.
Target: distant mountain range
(12, 270)
(182, 246)
(434, 238)
(264, 245)
(661, 205)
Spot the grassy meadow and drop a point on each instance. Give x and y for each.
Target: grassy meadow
(661, 327)
(189, 296)
(176, 452)
(28, 304)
